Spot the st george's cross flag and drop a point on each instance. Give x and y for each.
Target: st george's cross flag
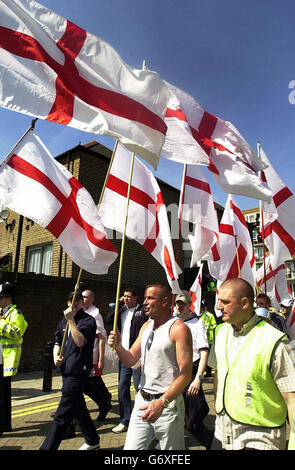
(278, 216)
(274, 279)
(147, 216)
(35, 185)
(197, 206)
(230, 159)
(196, 293)
(234, 246)
(52, 69)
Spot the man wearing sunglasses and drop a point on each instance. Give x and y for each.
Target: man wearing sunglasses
(164, 345)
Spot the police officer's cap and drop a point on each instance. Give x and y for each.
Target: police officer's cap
(6, 289)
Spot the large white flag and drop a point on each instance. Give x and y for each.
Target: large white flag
(36, 186)
(197, 206)
(147, 216)
(196, 293)
(196, 136)
(53, 69)
(278, 216)
(180, 144)
(274, 279)
(234, 246)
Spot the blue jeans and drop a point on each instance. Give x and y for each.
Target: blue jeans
(168, 428)
(125, 374)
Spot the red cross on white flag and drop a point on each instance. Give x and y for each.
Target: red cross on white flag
(196, 136)
(36, 186)
(234, 246)
(147, 216)
(275, 281)
(197, 206)
(52, 69)
(196, 292)
(278, 216)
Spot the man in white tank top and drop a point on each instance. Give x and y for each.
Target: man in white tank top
(164, 345)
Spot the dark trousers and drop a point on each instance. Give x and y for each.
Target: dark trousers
(95, 389)
(72, 405)
(125, 374)
(5, 402)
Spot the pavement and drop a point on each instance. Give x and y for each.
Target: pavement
(32, 408)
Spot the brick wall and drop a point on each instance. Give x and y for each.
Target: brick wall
(42, 300)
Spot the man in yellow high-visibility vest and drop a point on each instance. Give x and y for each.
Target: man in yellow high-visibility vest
(255, 375)
(12, 328)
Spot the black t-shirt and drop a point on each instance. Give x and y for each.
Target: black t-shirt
(77, 361)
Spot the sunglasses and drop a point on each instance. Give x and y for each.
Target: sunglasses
(150, 340)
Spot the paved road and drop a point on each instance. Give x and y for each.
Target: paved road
(31, 420)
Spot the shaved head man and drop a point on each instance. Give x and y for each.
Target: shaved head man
(255, 377)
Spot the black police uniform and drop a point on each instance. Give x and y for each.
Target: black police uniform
(75, 370)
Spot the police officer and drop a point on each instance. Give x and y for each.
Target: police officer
(12, 328)
(75, 364)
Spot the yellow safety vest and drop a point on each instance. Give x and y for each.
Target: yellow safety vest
(246, 389)
(210, 325)
(12, 329)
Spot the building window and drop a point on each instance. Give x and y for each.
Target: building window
(258, 252)
(39, 259)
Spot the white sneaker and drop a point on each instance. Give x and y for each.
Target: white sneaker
(120, 428)
(86, 446)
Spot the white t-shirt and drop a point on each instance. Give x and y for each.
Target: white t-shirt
(199, 336)
(94, 312)
(126, 318)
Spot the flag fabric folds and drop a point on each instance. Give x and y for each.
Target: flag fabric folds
(278, 216)
(180, 144)
(35, 185)
(234, 246)
(197, 206)
(53, 69)
(196, 293)
(216, 143)
(147, 221)
(274, 280)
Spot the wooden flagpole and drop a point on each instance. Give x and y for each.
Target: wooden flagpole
(262, 228)
(81, 269)
(123, 244)
(236, 245)
(32, 126)
(180, 224)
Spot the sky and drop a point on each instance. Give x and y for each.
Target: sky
(235, 57)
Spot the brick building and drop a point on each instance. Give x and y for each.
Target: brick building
(44, 272)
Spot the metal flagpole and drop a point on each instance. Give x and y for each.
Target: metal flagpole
(123, 244)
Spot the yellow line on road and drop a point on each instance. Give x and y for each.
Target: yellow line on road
(51, 406)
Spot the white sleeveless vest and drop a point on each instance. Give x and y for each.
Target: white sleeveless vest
(159, 366)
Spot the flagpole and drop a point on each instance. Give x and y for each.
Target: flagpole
(262, 227)
(180, 223)
(73, 300)
(32, 126)
(235, 236)
(81, 269)
(108, 172)
(123, 245)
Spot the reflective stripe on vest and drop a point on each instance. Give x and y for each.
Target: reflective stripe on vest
(246, 389)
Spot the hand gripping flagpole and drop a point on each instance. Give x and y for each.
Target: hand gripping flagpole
(81, 270)
(123, 244)
(73, 300)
